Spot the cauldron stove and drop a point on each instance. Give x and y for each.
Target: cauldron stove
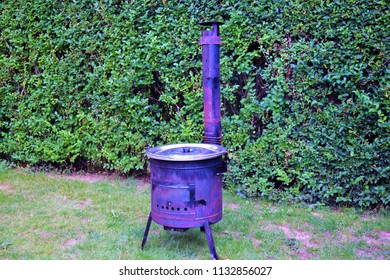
(186, 179)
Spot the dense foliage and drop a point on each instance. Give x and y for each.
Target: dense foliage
(305, 88)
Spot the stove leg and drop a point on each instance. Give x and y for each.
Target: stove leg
(210, 241)
(146, 231)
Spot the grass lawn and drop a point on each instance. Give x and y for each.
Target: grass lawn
(48, 216)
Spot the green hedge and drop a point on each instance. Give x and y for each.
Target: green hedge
(305, 87)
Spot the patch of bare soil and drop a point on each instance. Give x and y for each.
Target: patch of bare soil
(43, 234)
(383, 238)
(85, 220)
(7, 188)
(84, 204)
(379, 239)
(368, 218)
(143, 185)
(293, 235)
(235, 234)
(372, 253)
(317, 214)
(374, 241)
(69, 243)
(231, 205)
(385, 235)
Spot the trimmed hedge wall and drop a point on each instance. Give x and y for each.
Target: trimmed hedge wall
(305, 87)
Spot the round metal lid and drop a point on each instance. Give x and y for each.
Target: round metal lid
(186, 152)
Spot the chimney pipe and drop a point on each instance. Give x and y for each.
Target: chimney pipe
(210, 42)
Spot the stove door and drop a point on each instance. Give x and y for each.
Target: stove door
(173, 198)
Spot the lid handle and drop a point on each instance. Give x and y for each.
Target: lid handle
(187, 150)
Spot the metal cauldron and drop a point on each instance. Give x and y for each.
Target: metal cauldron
(186, 187)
